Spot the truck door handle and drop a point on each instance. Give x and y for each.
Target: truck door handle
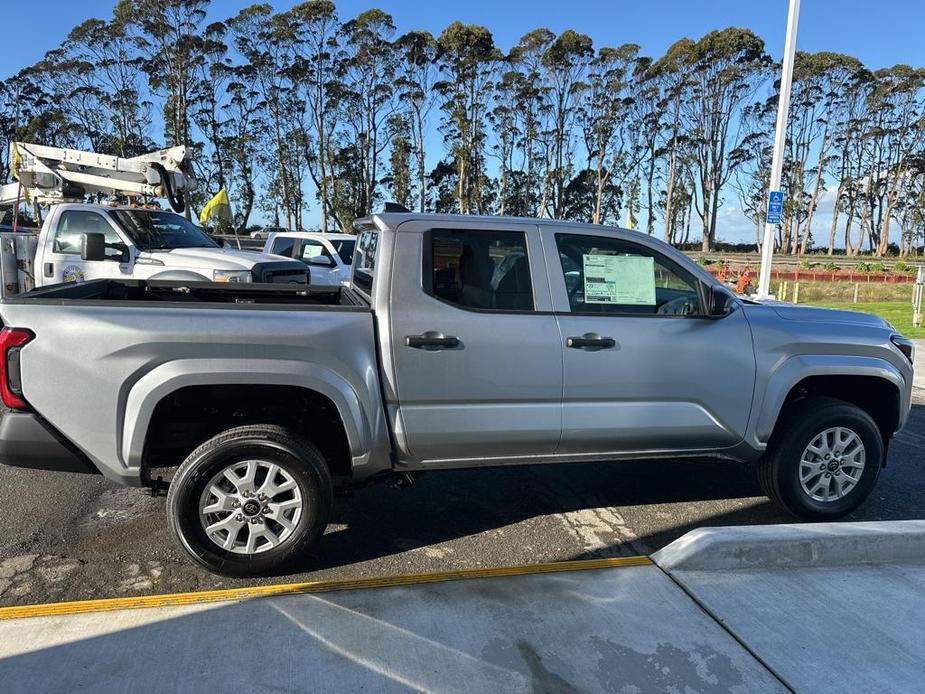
(432, 340)
(49, 269)
(590, 341)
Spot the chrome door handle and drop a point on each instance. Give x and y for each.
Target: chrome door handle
(432, 340)
(590, 341)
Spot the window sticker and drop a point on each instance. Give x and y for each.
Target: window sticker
(619, 279)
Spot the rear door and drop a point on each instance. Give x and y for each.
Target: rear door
(475, 350)
(645, 369)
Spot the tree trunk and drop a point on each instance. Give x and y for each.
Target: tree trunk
(669, 221)
(832, 228)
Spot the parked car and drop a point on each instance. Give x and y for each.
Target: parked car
(265, 232)
(461, 342)
(328, 256)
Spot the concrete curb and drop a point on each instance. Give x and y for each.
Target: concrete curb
(918, 378)
(797, 545)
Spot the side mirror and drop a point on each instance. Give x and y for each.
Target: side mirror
(321, 261)
(720, 301)
(93, 246)
(220, 241)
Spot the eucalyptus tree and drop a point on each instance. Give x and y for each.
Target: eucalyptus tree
(468, 57)
(367, 73)
(610, 133)
(531, 108)
(751, 164)
(565, 64)
(726, 67)
(648, 121)
(818, 95)
(168, 33)
(68, 89)
(671, 77)
(506, 121)
(246, 128)
(847, 125)
(104, 64)
(311, 30)
(399, 178)
(214, 73)
(262, 39)
(897, 133)
(415, 79)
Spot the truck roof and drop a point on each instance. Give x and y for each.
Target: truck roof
(391, 220)
(103, 206)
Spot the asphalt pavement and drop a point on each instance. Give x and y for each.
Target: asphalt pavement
(69, 537)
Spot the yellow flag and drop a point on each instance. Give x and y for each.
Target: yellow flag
(218, 208)
(16, 161)
(15, 166)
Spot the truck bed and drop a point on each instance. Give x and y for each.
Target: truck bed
(106, 353)
(110, 290)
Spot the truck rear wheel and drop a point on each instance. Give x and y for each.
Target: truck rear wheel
(823, 460)
(250, 501)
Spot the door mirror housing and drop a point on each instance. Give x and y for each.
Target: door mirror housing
(93, 246)
(321, 261)
(719, 301)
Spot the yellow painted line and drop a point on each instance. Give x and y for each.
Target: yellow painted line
(210, 596)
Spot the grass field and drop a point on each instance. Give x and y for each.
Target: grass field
(899, 313)
(892, 301)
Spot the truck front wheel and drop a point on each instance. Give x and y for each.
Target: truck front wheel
(250, 501)
(823, 460)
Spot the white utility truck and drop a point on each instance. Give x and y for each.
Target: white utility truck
(80, 241)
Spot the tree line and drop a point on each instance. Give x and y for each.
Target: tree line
(283, 108)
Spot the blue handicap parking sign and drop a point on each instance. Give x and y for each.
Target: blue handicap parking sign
(775, 205)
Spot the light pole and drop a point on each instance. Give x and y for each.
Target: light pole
(775, 198)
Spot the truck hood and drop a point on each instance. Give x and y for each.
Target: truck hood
(815, 314)
(214, 258)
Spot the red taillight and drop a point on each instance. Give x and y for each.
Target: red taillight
(11, 340)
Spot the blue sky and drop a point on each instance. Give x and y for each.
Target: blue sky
(880, 34)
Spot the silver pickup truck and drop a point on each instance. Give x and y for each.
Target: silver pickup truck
(462, 342)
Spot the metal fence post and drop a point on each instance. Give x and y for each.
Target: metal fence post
(917, 298)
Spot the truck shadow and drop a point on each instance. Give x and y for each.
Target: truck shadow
(652, 503)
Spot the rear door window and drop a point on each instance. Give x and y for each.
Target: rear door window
(282, 246)
(485, 270)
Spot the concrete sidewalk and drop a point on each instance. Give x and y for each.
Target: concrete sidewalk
(586, 630)
(810, 608)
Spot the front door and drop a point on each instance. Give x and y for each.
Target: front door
(475, 349)
(645, 369)
(61, 261)
(321, 262)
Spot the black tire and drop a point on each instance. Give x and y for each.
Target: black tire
(265, 442)
(779, 470)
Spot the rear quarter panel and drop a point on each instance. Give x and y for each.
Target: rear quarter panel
(96, 371)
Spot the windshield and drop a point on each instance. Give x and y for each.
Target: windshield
(344, 250)
(154, 230)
